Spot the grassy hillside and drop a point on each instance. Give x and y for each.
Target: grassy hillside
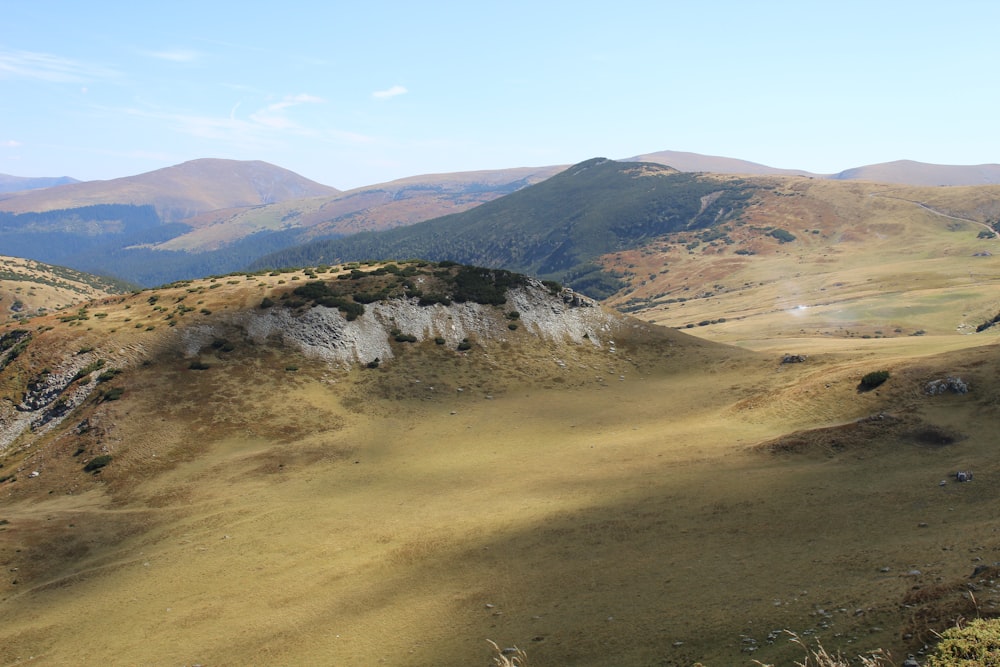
(865, 261)
(180, 191)
(226, 481)
(554, 229)
(28, 287)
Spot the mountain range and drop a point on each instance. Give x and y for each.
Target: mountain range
(210, 216)
(358, 451)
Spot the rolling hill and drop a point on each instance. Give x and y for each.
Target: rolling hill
(398, 462)
(208, 217)
(554, 229)
(179, 192)
(28, 288)
(10, 183)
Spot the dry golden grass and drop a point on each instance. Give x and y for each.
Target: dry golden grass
(675, 501)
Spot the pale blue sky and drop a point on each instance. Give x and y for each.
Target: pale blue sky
(352, 94)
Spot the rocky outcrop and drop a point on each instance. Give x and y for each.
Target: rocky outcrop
(325, 333)
(953, 385)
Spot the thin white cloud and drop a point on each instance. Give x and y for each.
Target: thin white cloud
(11, 143)
(49, 67)
(175, 55)
(274, 116)
(265, 128)
(389, 93)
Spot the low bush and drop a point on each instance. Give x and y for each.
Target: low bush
(112, 394)
(974, 645)
(97, 463)
(872, 380)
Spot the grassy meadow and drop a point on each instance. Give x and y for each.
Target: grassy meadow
(672, 500)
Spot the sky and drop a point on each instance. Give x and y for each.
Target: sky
(354, 94)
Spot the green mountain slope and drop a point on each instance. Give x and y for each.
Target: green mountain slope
(554, 229)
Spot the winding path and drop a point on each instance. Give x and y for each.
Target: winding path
(943, 215)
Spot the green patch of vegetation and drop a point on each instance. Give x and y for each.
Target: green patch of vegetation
(97, 463)
(78, 316)
(988, 323)
(13, 343)
(783, 235)
(321, 294)
(484, 286)
(108, 375)
(88, 369)
(976, 644)
(557, 227)
(872, 380)
(111, 394)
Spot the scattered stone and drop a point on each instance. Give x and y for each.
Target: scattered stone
(793, 359)
(963, 476)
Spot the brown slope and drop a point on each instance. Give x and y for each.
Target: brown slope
(866, 260)
(28, 287)
(372, 208)
(180, 191)
(593, 504)
(683, 161)
(910, 172)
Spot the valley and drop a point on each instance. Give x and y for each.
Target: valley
(645, 497)
(386, 461)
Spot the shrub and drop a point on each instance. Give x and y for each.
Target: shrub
(266, 302)
(108, 375)
(97, 463)
(464, 345)
(112, 394)
(783, 235)
(373, 363)
(88, 369)
(872, 380)
(198, 365)
(974, 645)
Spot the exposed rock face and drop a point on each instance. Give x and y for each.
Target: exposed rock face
(325, 333)
(954, 385)
(46, 401)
